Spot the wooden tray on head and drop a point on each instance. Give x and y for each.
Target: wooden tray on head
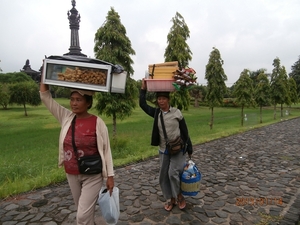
(162, 70)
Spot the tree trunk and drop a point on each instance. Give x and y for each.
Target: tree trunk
(212, 118)
(274, 111)
(196, 104)
(242, 116)
(114, 125)
(24, 105)
(260, 113)
(281, 110)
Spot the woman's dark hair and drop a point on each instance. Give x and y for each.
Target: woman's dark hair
(89, 99)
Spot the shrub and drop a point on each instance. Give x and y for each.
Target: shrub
(229, 102)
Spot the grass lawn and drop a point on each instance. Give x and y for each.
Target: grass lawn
(29, 144)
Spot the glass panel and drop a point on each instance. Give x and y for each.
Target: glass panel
(76, 74)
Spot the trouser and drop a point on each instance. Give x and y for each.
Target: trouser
(171, 168)
(85, 191)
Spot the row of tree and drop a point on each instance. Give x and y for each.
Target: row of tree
(112, 45)
(278, 89)
(251, 89)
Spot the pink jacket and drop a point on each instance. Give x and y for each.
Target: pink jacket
(64, 117)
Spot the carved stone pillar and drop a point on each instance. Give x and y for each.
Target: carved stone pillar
(74, 20)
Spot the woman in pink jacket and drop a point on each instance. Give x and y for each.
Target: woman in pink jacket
(91, 138)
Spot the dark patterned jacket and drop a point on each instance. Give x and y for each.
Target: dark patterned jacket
(154, 112)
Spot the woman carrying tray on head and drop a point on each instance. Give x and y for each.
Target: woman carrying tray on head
(91, 139)
(171, 166)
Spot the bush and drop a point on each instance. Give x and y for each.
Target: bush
(120, 148)
(229, 102)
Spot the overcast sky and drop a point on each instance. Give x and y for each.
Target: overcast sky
(249, 34)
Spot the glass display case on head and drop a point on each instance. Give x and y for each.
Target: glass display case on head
(76, 74)
(84, 73)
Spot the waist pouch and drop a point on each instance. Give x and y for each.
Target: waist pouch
(175, 146)
(91, 164)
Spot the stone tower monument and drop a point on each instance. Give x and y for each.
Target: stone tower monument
(74, 20)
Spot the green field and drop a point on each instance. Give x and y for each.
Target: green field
(29, 145)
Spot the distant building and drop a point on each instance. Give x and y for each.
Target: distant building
(35, 75)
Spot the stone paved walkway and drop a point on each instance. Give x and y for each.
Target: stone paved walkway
(244, 177)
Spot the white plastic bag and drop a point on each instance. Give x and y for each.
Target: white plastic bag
(109, 205)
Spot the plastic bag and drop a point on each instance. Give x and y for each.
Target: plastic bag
(109, 205)
(189, 170)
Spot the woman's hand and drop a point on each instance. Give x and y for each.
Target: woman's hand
(110, 184)
(43, 87)
(144, 85)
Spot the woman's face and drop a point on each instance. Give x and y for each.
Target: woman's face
(78, 103)
(163, 103)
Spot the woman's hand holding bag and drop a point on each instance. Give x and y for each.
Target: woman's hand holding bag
(109, 205)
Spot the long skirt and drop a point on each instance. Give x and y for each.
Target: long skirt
(171, 169)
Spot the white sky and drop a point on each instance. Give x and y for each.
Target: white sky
(249, 34)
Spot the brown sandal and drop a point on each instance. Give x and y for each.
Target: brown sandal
(181, 203)
(169, 206)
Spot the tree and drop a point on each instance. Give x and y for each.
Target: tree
(112, 45)
(198, 93)
(274, 83)
(117, 106)
(216, 77)
(4, 95)
(285, 90)
(254, 75)
(243, 91)
(295, 74)
(293, 90)
(262, 92)
(59, 92)
(6, 79)
(181, 99)
(178, 50)
(279, 86)
(23, 93)
(9, 78)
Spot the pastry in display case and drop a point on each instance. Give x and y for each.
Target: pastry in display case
(77, 74)
(84, 73)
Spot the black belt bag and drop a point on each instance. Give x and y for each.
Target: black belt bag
(91, 164)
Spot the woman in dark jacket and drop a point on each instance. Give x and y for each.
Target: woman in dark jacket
(171, 166)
